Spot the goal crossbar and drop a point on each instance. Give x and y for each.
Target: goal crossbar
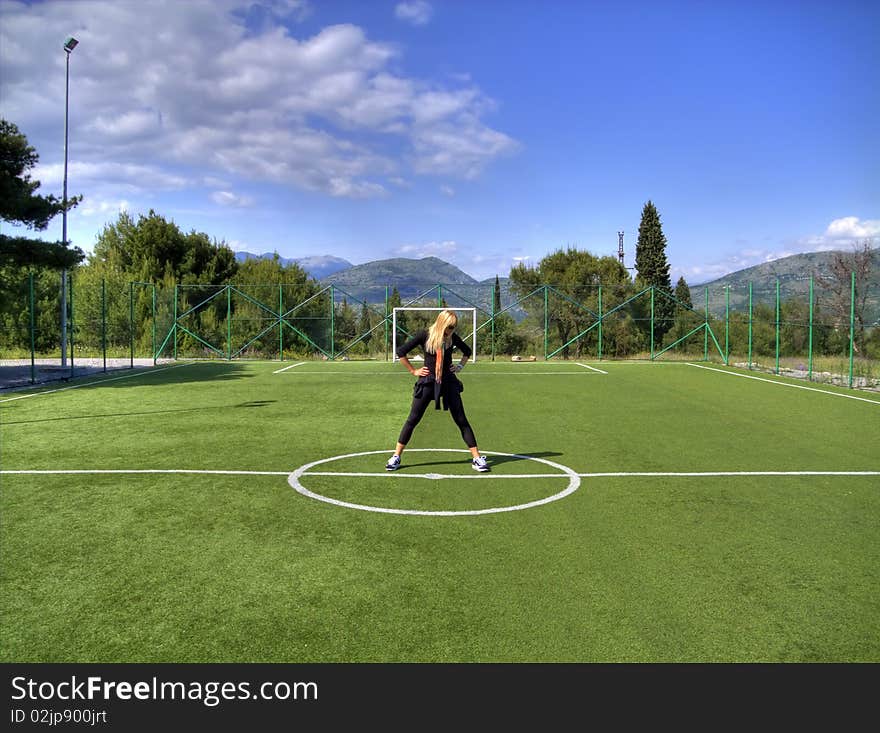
(473, 319)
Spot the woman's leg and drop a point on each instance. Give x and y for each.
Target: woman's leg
(456, 410)
(416, 412)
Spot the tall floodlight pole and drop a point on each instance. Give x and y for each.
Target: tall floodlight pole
(69, 45)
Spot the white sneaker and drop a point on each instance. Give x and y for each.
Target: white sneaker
(480, 464)
(393, 463)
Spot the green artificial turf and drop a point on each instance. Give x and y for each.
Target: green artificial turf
(220, 567)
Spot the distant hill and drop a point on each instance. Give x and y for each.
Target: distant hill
(793, 274)
(411, 277)
(401, 271)
(419, 278)
(317, 266)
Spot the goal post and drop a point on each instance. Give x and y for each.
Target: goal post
(462, 313)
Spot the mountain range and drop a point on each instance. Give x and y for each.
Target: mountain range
(317, 266)
(414, 277)
(793, 274)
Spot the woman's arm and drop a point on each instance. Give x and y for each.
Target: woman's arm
(422, 372)
(404, 349)
(465, 350)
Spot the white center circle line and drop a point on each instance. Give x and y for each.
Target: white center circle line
(574, 481)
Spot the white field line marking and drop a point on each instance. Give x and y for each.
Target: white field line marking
(470, 372)
(399, 474)
(730, 473)
(146, 470)
(587, 366)
(785, 384)
(147, 370)
(278, 371)
(573, 484)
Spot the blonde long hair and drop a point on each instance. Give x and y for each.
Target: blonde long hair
(437, 332)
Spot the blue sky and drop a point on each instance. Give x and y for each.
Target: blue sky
(484, 132)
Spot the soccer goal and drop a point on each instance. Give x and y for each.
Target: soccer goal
(464, 315)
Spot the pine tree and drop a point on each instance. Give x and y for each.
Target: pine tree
(652, 268)
(21, 205)
(683, 293)
(496, 307)
(686, 319)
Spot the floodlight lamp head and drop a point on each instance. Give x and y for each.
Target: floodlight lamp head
(70, 44)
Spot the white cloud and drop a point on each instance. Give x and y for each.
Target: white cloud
(851, 227)
(132, 176)
(227, 198)
(205, 94)
(355, 189)
(841, 234)
(298, 10)
(447, 191)
(417, 12)
(126, 125)
(94, 207)
(238, 246)
(459, 148)
(428, 249)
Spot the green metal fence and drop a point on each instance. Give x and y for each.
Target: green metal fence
(806, 333)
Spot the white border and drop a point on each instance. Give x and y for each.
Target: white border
(784, 384)
(574, 481)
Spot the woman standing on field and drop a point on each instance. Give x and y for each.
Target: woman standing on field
(436, 381)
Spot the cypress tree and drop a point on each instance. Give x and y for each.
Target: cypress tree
(652, 268)
(683, 293)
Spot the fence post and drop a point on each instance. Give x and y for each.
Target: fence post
(727, 326)
(131, 323)
(386, 322)
(777, 325)
(810, 347)
(750, 324)
(652, 323)
(153, 285)
(72, 326)
(492, 312)
(706, 329)
(600, 323)
(852, 325)
(332, 324)
(546, 322)
(175, 322)
(228, 322)
(104, 321)
(33, 326)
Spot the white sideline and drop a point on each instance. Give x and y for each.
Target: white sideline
(278, 371)
(785, 384)
(399, 474)
(145, 470)
(402, 373)
(587, 366)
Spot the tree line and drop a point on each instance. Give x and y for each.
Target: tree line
(558, 299)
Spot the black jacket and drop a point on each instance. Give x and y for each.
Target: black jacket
(448, 377)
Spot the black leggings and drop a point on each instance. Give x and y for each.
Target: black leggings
(456, 409)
